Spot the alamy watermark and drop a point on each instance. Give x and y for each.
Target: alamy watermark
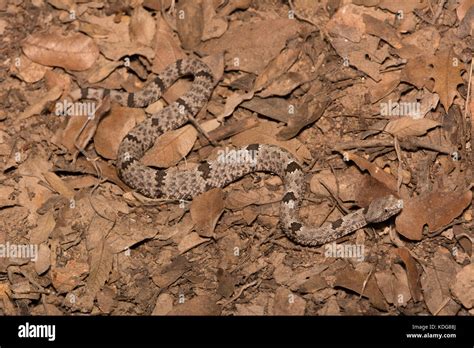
(21, 251)
(67, 108)
(355, 251)
(241, 156)
(390, 108)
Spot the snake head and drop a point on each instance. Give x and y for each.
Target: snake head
(380, 209)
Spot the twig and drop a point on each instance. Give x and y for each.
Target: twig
(466, 107)
(396, 144)
(336, 198)
(241, 290)
(366, 281)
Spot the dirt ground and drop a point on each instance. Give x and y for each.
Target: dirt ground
(373, 97)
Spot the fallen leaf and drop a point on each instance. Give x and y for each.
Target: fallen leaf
(302, 119)
(75, 52)
(447, 75)
(276, 68)
(163, 305)
(276, 108)
(117, 50)
(226, 283)
(28, 70)
(142, 26)
(288, 303)
(436, 280)
(412, 273)
(238, 43)
(58, 185)
(434, 209)
(113, 128)
(190, 23)
(355, 281)
(127, 232)
(408, 126)
(381, 29)
(377, 173)
(206, 210)
(214, 25)
(43, 259)
(199, 305)
(190, 241)
(463, 286)
(171, 272)
(67, 278)
(171, 147)
(39, 105)
(43, 230)
(167, 47)
(417, 71)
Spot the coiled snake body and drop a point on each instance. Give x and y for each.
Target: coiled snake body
(178, 184)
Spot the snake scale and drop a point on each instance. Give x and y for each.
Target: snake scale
(178, 184)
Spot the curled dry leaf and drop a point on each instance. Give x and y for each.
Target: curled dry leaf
(405, 6)
(166, 46)
(114, 127)
(58, 185)
(463, 287)
(43, 259)
(190, 23)
(284, 84)
(385, 282)
(233, 101)
(75, 52)
(171, 147)
(276, 68)
(355, 281)
(39, 105)
(226, 283)
(412, 272)
(376, 172)
(142, 26)
(102, 69)
(407, 126)
(28, 70)
(382, 30)
(214, 26)
(206, 210)
(238, 199)
(303, 118)
(435, 209)
(127, 232)
(190, 241)
(275, 108)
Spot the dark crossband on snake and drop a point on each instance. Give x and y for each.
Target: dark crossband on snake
(185, 184)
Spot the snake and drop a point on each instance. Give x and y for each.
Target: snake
(177, 184)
